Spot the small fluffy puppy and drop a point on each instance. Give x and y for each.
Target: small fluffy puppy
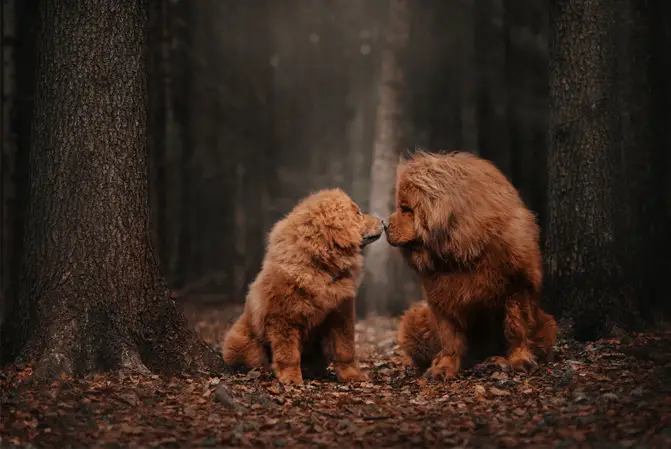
(463, 228)
(299, 310)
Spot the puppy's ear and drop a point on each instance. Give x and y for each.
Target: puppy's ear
(342, 237)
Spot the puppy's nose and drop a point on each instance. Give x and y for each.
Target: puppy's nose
(384, 223)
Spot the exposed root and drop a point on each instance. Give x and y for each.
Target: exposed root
(172, 347)
(131, 363)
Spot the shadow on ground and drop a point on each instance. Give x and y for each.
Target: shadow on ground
(606, 394)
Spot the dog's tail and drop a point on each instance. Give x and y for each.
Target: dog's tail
(242, 348)
(418, 335)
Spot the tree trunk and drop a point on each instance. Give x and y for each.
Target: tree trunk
(638, 87)
(659, 75)
(91, 294)
(527, 103)
(160, 116)
(222, 240)
(8, 149)
(491, 109)
(15, 156)
(385, 287)
(585, 214)
(361, 63)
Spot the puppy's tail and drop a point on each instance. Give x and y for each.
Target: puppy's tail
(544, 336)
(418, 335)
(242, 348)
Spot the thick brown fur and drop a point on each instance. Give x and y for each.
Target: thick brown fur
(463, 228)
(299, 310)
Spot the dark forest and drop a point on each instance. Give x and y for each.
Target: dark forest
(150, 150)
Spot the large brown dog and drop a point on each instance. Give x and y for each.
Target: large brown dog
(464, 229)
(300, 308)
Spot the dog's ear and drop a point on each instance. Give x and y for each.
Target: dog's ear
(339, 235)
(449, 233)
(438, 225)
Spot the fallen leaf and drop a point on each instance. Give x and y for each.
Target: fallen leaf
(497, 392)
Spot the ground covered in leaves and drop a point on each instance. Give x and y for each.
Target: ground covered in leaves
(605, 394)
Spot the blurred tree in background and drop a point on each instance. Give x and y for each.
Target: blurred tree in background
(253, 105)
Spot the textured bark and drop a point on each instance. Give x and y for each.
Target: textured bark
(91, 294)
(585, 216)
(385, 284)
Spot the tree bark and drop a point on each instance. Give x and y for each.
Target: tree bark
(585, 215)
(91, 294)
(384, 282)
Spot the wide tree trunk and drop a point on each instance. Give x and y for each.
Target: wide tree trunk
(586, 217)
(387, 282)
(91, 294)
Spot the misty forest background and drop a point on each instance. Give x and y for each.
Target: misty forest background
(253, 105)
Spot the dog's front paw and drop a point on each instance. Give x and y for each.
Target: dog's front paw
(351, 373)
(289, 375)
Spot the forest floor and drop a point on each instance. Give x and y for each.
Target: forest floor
(605, 394)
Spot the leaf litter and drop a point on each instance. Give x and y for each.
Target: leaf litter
(609, 393)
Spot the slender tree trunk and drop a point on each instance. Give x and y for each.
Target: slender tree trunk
(91, 294)
(468, 97)
(585, 214)
(492, 92)
(222, 241)
(384, 288)
(160, 116)
(361, 64)
(209, 156)
(18, 88)
(659, 75)
(8, 150)
(527, 103)
(638, 88)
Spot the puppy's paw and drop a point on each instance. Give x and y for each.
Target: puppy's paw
(521, 359)
(443, 368)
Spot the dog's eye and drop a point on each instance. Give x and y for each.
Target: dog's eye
(405, 209)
